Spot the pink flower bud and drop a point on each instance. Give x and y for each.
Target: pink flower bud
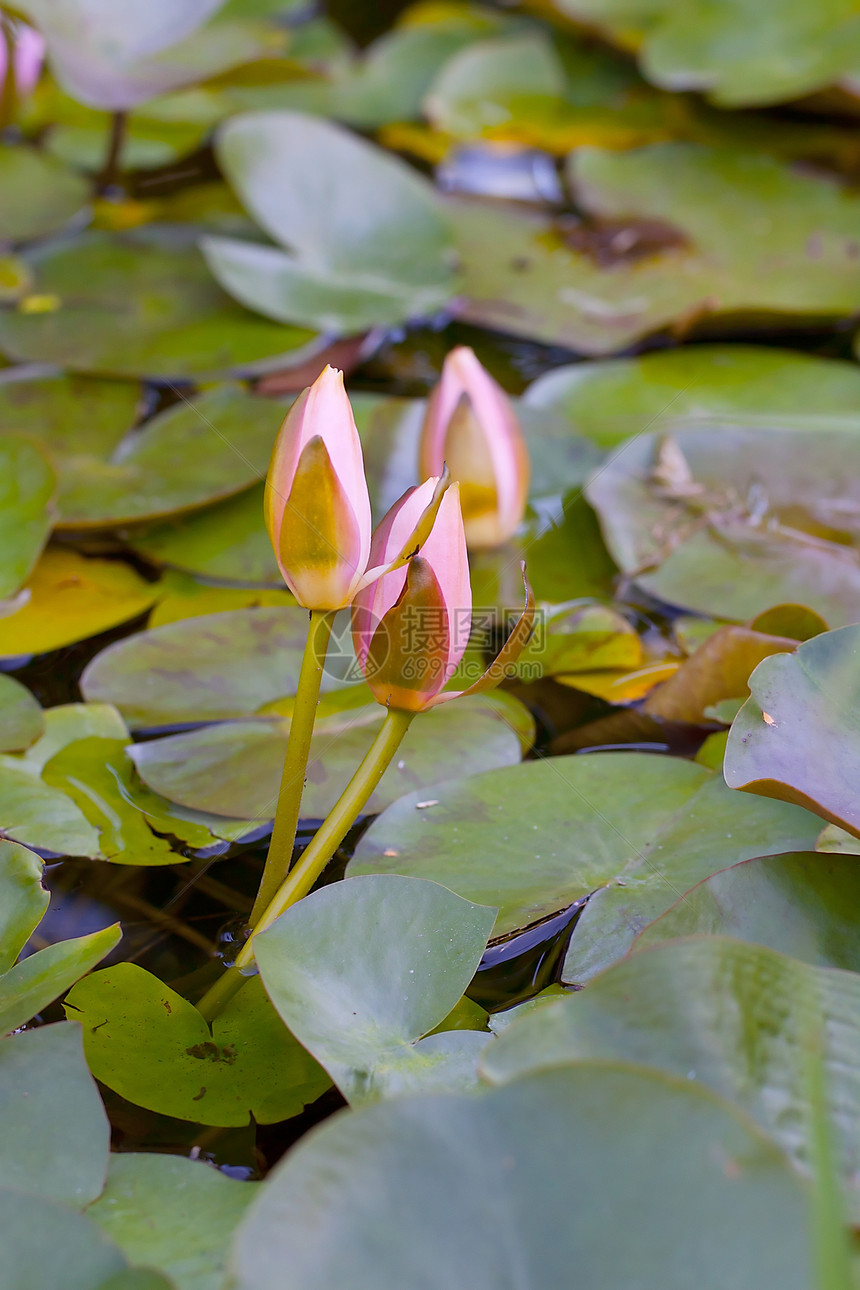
(28, 53)
(471, 424)
(411, 626)
(317, 506)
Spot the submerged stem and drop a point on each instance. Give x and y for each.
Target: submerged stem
(295, 761)
(320, 850)
(111, 170)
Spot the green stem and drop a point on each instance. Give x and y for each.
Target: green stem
(325, 842)
(9, 88)
(116, 138)
(296, 761)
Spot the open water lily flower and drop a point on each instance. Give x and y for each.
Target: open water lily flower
(411, 626)
(471, 425)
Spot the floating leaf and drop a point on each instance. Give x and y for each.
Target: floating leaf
(184, 597)
(223, 665)
(234, 768)
(771, 514)
(39, 195)
(743, 53)
(367, 242)
(142, 304)
(173, 1214)
(155, 1049)
(54, 1134)
(42, 977)
(703, 232)
(64, 725)
(71, 597)
(377, 1193)
(612, 401)
(225, 541)
(795, 738)
(361, 970)
(70, 1250)
(635, 829)
(739, 1018)
(580, 639)
(26, 489)
(40, 816)
(21, 720)
(23, 899)
(115, 57)
(806, 905)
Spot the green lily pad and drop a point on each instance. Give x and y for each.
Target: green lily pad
(744, 53)
(203, 449)
(614, 400)
(40, 816)
(739, 1018)
(116, 58)
(200, 669)
(39, 195)
(361, 970)
(155, 1049)
(54, 1134)
(23, 899)
(71, 1251)
(806, 905)
(64, 725)
(21, 720)
(637, 830)
(755, 516)
(368, 244)
(39, 979)
(234, 768)
(173, 1214)
(26, 489)
(715, 232)
(795, 738)
(228, 541)
(374, 1195)
(141, 304)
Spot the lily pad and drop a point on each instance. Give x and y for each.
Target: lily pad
(204, 448)
(155, 1049)
(806, 905)
(116, 56)
(40, 978)
(40, 816)
(72, 596)
(752, 516)
(21, 720)
(635, 829)
(200, 669)
(141, 304)
(704, 232)
(55, 1134)
(228, 540)
(234, 768)
(26, 489)
(744, 53)
(691, 1008)
(39, 195)
(368, 244)
(173, 1214)
(71, 1251)
(421, 1182)
(690, 385)
(24, 899)
(796, 736)
(361, 970)
(186, 597)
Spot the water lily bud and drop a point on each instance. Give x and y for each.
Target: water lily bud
(471, 425)
(28, 53)
(317, 507)
(411, 626)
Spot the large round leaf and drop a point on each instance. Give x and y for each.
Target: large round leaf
(729, 520)
(715, 231)
(21, 720)
(141, 304)
(54, 1134)
(534, 838)
(367, 243)
(611, 401)
(798, 734)
(26, 489)
(806, 905)
(23, 899)
(226, 541)
(173, 1214)
(523, 1187)
(741, 1019)
(38, 195)
(234, 768)
(47, 1244)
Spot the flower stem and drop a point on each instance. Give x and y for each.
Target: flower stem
(320, 850)
(110, 171)
(295, 761)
